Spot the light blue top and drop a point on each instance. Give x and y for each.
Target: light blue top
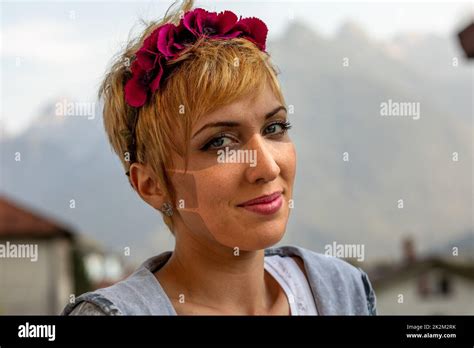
(338, 288)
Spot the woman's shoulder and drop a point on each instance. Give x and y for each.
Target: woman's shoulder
(87, 308)
(91, 303)
(314, 261)
(138, 294)
(340, 288)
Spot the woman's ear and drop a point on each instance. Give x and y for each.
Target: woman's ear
(147, 186)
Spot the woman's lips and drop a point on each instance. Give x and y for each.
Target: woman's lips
(266, 205)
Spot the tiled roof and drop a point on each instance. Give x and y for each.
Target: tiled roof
(22, 221)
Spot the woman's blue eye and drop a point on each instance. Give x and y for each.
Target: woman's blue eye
(217, 143)
(283, 125)
(271, 128)
(224, 140)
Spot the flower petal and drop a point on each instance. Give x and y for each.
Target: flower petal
(166, 39)
(209, 24)
(201, 15)
(151, 41)
(183, 35)
(192, 21)
(225, 22)
(146, 59)
(253, 29)
(155, 83)
(135, 91)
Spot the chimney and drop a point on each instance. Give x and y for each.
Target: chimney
(466, 39)
(408, 249)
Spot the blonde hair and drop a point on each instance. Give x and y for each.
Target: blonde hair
(207, 75)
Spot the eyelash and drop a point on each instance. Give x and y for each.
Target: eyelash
(286, 125)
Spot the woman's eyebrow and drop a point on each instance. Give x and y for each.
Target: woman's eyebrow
(236, 124)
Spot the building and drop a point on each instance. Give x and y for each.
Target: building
(429, 285)
(38, 268)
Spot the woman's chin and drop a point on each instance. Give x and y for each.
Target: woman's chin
(254, 240)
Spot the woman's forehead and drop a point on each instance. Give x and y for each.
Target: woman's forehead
(253, 105)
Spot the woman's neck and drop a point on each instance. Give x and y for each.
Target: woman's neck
(208, 275)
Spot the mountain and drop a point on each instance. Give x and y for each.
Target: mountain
(69, 158)
(337, 110)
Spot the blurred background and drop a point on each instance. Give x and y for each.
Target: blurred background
(382, 100)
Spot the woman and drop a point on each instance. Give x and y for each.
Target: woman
(199, 122)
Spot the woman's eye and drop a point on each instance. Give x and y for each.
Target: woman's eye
(277, 128)
(271, 129)
(222, 141)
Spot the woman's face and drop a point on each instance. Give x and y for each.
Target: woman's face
(260, 160)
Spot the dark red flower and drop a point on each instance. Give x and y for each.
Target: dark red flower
(168, 41)
(172, 40)
(210, 24)
(254, 30)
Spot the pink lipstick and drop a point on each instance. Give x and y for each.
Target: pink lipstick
(265, 205)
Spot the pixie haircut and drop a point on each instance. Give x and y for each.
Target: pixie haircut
(209, 74)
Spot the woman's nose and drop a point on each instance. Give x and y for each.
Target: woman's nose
(266, 168)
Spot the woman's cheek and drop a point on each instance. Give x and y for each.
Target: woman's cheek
(218, 189)
(218, 185)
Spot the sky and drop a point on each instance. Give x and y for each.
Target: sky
(52, 50)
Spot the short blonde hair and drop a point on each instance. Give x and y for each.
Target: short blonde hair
(208, 74)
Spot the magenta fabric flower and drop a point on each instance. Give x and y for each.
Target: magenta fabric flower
(168, 41)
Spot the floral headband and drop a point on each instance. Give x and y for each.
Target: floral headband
(168, 41)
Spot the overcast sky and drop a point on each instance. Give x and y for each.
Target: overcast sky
(58, 49)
